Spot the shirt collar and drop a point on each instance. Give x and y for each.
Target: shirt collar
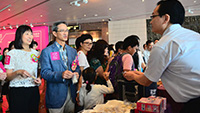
(171, 28)
(59, 46)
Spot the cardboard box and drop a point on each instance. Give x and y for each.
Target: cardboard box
(151, 104)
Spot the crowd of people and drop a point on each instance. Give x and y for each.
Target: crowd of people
(81, 78)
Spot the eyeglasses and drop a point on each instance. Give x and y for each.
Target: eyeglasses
(62, 30)
(153, 16)
(88, 43)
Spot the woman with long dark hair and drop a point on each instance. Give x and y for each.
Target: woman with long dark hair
(21, 66)
(98, 59)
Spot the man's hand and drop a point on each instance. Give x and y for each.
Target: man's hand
(3, 76)
(67, 74)
(76, 74)
(129, 75)
(37, 81)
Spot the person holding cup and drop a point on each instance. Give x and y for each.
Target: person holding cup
(56, 68)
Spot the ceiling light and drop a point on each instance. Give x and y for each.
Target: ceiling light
(142, 0)
(25, 0)
(85, 1)
(95, 14)
(17, 26)
(84, 15)
(41, 15)
(44, 23)
(4, 27)
(195, 1)
(103, 20)
(31, 25)
(26, 20)
(77, 2)
(5, 8)
(60, 9)
(11, 27)
(190, 11)
(8, 9)
(85, 32)
(109, 9)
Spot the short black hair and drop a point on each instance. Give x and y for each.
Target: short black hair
(34, 42)
(81, 39)
(119, 45)
(131, 40)
(174, 9)
(55, 25)
(18, 36)
(148, 42)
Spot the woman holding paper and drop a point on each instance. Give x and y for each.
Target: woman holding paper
(21, 66)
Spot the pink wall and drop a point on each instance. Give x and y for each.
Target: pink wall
(40, 35)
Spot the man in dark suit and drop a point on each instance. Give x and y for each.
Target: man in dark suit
(56, 68)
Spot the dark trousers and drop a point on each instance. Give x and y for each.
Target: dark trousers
(24, 99)
(192, 106)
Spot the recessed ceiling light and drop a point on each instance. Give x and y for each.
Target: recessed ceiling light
(103, 20)
(110, 9)
(85, 15)
(25, 0)
(41, 15)
(142, 0)
(8, 9)
(195, 1)
(60, 9)
(26, 20)
(44, 23)
(95, 14)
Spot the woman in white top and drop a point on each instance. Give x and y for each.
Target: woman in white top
(21, 66)
(83, 44)
(92, 94)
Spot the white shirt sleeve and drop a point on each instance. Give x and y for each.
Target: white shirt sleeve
(82, 59)
(159, 60)
(106, 90)
(10, 60)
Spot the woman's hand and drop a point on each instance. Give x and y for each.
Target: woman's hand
(3, 76)
(37, 81)
(23, 73)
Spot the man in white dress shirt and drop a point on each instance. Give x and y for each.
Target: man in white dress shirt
(175, 58)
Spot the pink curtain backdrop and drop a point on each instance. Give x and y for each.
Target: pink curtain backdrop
(40, 35)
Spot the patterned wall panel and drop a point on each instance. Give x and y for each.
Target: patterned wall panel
(191, 22)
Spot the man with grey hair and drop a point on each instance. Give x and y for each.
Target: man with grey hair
(57, 69)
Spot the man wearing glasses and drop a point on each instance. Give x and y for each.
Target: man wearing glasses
(174, 59)
(56, 68)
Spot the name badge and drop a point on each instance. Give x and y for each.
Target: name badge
(7, 60)
(55, 56)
